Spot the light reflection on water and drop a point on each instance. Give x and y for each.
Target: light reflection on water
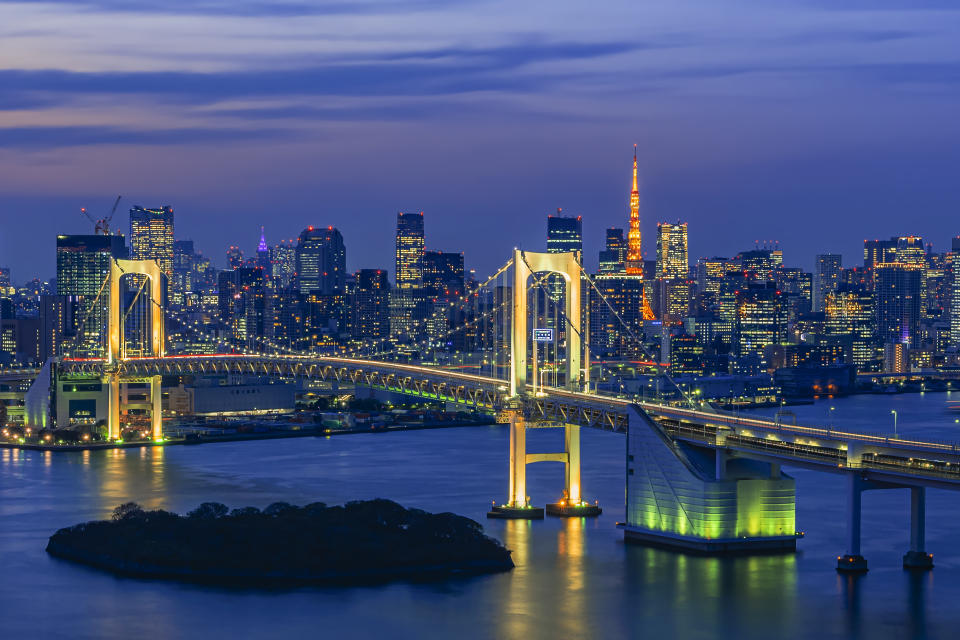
(574, 577)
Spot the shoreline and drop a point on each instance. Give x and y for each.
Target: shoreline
(316, 432)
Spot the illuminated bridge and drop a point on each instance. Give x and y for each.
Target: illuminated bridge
(695, 477)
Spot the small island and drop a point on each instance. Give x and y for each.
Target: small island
(363, 541)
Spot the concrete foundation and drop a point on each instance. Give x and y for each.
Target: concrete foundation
(505, 512)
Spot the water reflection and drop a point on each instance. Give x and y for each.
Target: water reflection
(725, 592)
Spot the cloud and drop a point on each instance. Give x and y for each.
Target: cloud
(254, 9)
(37, 138)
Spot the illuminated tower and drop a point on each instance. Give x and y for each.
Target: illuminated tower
(634, 263)
(634, 254)
(263, 254)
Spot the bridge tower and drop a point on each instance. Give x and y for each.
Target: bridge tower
(567, 265)
(154, 275)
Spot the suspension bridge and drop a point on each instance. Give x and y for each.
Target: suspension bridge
(696, 478)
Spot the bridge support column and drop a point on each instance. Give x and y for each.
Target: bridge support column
(720, 464)
(572, 504)
(113, 407)
(517, 505)
(571, 438)
(156, 407)
(852, 561)
(917, 557)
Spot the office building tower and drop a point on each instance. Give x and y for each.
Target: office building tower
(879, 252)
(616, 315)
(443, 275)
(758, 261)
(409, 251)
(83, 270)
(321, 261)
(614, 256)
(371, 306)
(183, 272)
(897, 302)
(564, 233)
(234, 257)
(283, 262)
(672, 256)
(848, 315)
(151, 238)
(672, 270)
(826, 277)
(953, 277)
(759, 318)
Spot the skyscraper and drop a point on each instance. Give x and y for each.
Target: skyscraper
(849, 314)
(564, 233)
(443, 275)
(409, 248)
(263, 254)
(83, 265)
(672, 257)
(321, 261)
(614, 257)
(371, 306)
(283, 262)
(826, 277)
(672, 271)
(897, 293)
(151, 238)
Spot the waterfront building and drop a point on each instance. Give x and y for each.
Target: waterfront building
(897, 295)
(849, 314)
(371, 305)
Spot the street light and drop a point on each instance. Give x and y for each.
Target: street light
(831, 416)
(894, 412)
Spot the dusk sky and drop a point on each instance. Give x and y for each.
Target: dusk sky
(755, 120)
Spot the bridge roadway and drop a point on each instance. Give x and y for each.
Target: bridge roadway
(900, 461)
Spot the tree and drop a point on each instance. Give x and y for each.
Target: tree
(209, 511)
(128, 510)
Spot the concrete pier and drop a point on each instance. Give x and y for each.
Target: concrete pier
(852, 561)
(917, 557)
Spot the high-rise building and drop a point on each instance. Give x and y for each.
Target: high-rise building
(564, 233)
(953, 277)
(151, 238)
(672, 256)
(83, 267)
(321, 261)
(897, 302)
(616, 315)
(263, 254)
(673, 288)
(613, 258)
(234, 257)
(759, 319)
(371, 305)
(409, 250)
(443, 275)
(879, 252)
(826, 277)
(283, 262)
(849, 315)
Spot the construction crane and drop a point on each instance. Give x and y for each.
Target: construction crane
(102, 226)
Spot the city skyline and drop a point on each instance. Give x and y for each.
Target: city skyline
(357, 112)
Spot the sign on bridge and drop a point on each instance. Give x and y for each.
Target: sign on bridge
(543, 335)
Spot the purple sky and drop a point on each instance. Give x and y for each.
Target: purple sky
(755, 119)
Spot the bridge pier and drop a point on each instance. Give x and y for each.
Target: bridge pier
(572, 504)
(156, 408)
(518, 505)
(113, 407)
(917, 557)
(852, 561)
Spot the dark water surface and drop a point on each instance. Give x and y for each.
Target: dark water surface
(574, 578)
